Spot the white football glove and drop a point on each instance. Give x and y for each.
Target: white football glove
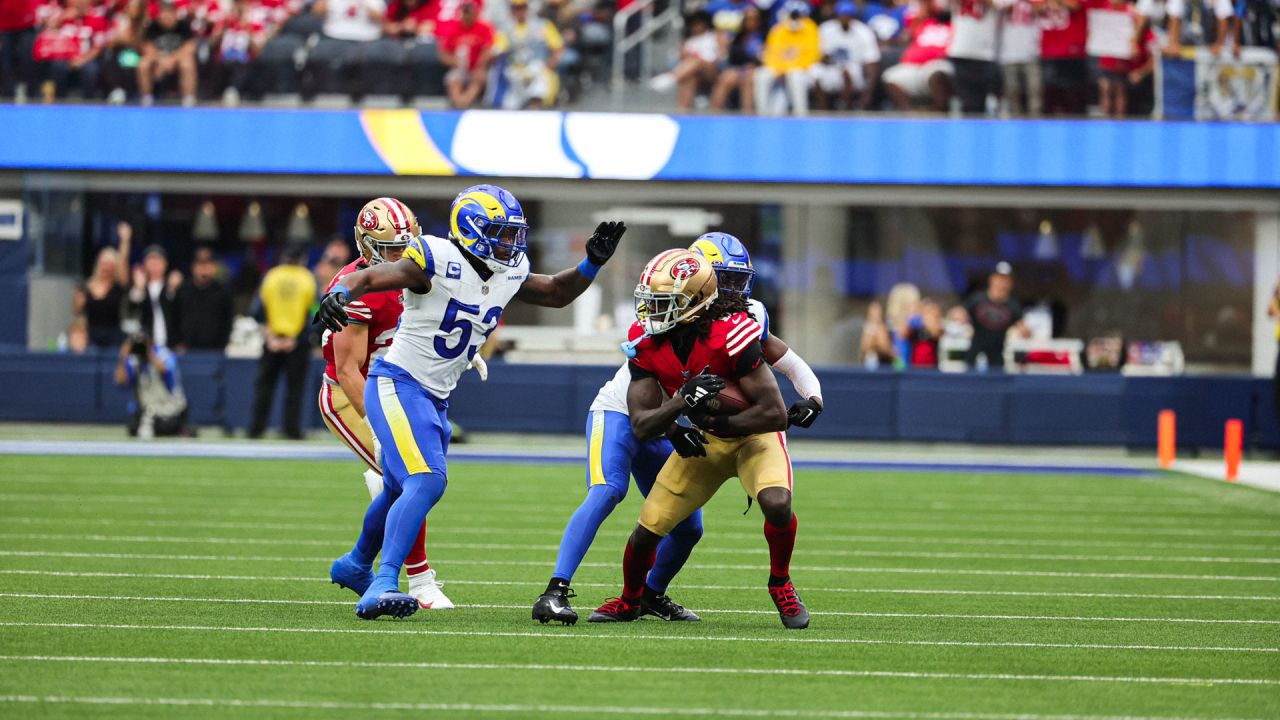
(482, 368)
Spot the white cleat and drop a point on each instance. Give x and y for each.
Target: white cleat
(373, 481)
(426, 589)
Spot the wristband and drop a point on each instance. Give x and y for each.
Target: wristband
(588, 269)
(342, 289)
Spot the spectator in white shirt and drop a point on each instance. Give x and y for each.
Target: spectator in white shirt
(700, 58)
(351, 57)
(1173, 11)
(1020, 57)
(974, 24)
(850, 59)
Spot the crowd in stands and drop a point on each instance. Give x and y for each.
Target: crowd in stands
(908, 330)
(500, 55)
(768, 56)
(1020, 57)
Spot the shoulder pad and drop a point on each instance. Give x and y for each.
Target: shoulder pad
(735, 333)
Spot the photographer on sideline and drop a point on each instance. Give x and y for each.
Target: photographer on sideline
(158, 407)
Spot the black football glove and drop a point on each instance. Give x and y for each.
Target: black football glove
(688, 442)
(698, 390)
(604, 241)
(804, 412)
(332, 313)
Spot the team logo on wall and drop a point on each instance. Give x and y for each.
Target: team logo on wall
(685, 269)
(1243, 89)
(368, 220)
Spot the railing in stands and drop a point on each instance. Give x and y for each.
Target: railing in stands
(638, 38)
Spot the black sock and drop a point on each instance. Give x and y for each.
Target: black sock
(650, 593)
(557, 584)
(775, 581)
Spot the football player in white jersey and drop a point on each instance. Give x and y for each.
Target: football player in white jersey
(455, 290)
(615, 454)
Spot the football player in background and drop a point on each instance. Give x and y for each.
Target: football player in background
(384, 228)
(457, 289)
(614, 454)
(688, 342)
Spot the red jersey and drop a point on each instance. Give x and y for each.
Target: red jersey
(465, 42)
(18, 14)
(69, 37)
(734, 342)
(930, 43)
(1064, 33)
(379, 310)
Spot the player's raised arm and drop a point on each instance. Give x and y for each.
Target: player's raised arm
(565, 286)
(409, 272)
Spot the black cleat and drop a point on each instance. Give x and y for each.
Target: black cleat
(795, 616)
(616, 610)
(554, 605)
(664, 608)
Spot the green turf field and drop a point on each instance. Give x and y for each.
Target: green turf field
(191, 588)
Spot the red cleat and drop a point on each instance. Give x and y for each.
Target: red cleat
(616, 610)
(795, 616)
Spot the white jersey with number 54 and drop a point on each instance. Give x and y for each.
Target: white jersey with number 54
(441, 330)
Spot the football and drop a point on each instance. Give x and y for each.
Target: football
(729, 401)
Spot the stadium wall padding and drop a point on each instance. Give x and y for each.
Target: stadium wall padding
(1095, 409)
(614, 146)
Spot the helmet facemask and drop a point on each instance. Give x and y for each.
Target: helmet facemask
(374, 251)
(736, 280)
(660, 311)
(499, 243)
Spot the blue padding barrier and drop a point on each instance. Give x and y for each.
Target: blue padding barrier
(1095, 409)
(833, 150)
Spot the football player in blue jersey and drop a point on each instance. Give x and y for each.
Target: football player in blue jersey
(615, 455)
(455, 290)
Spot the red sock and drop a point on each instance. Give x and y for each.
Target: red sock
(416, 562)
(635, 568)
(781, 542)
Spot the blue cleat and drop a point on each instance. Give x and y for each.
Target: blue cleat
(385, 598)
(350, 574)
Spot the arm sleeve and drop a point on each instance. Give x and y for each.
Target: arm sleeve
(800, 374)
(637, 372)
(749, 359)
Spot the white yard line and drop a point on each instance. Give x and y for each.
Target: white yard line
(698, 670)
(556, 634)
(682, 586)
(345, 530)
(528, 710)
(751, 568)
(940, 616)
(760, 551)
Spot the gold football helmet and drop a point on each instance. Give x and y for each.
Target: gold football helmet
(676, 287)
(383, 225)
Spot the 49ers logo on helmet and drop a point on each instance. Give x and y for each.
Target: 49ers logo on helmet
(685, 269)
(368, 220)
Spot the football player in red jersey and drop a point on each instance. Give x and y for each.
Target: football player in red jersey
(688, 340)
(384, 228)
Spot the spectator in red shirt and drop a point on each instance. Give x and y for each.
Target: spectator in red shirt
(466, 45)
(237, 38)
(1064, 30)
(924, 72)
(923, 333)
(168, 48)
(68, 49)
(17, 36)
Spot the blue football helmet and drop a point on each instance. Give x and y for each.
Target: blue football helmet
(490, 224)
(730, 259)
